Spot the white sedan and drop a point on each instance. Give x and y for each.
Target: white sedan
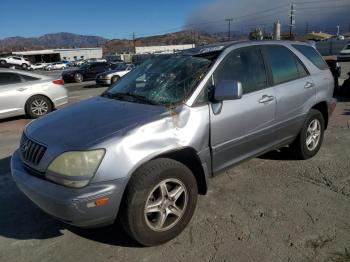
(38, 66)
(31, 94)
(112, 76)
(56, 66)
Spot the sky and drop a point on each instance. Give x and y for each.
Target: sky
(317, 15)
(119, 19)
(106, 18)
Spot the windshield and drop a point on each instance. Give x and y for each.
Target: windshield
(119, 66)
(164, 80)
(84, 66)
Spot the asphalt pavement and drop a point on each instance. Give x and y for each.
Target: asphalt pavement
(270, 208)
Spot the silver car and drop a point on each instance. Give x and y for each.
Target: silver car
(31, 94)
(145, 148)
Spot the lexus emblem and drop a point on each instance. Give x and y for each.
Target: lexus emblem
(24, 146)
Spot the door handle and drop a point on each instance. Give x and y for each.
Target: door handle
(21, 89)
(265, 99)
(309, 85)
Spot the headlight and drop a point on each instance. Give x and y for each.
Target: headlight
(75, 168)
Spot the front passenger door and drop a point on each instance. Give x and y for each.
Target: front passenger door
(243, 127)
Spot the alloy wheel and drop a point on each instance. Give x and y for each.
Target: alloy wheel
(165, 205)
(313, 134)
(39, 107)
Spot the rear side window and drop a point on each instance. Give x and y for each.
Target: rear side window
(284, 65)
(311, 53)
(246, 66)
(9, 78)
(29, 78)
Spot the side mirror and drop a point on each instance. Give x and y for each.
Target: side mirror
(228, 90)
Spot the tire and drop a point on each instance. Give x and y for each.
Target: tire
(38, 106)
(78, 78)
(144, 189)
(24, 66)
(3, 62)
(302, 148)
(115, 79)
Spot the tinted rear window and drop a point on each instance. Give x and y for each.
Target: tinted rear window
(9, 78)
(312, 55)
(29, 78)
(283, 64)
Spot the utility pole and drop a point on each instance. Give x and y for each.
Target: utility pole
(307, 28)
(292, 20)
(338, 30)
(134, 42)
(229, 20)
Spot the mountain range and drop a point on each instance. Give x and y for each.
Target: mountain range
(69, 40)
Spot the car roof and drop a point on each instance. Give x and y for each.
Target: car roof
(6, 70)
(219, 47)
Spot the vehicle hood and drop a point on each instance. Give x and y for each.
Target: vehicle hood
(110, 72)
(82, 125)
(72, 72)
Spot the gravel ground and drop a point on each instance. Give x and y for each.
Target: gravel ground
(270, 208)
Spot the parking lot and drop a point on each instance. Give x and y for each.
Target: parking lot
(270, 208)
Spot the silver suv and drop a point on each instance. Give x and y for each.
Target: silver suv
(145, 148)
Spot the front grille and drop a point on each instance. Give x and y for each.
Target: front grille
(31, 151)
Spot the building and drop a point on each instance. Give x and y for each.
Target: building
(55, 55)
(162, 49)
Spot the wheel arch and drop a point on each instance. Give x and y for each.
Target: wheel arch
(323, 108)
(189, 157)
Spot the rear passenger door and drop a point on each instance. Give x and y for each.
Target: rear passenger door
(294, 89)
(242, 127)
(12, 94)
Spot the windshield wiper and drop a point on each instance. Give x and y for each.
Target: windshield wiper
(134, 97)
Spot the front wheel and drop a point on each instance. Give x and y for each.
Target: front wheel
(310, 138)
(78, 78)
(159, 201)
(24, 66)
(2, 62)
(115, 79)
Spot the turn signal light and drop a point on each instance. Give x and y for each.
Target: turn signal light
(102, 201)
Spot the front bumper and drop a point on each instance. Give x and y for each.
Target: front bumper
(343, 57)
(68, 78)
(103, 81)
(72, 206)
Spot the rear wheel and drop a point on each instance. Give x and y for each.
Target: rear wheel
(159, 201)
(38, 106)
(78, 78)
(310, 138)
(24, 66)
(2, 62)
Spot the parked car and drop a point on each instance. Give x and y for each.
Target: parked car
(67, 63)
(117, 71)
(56, 66)
(31, 94)
(15, 61)
(38, 66)
(92, 60)
(85, 72)
(335, 69)
(145, 148)
(344, 54)
(79, 62)
(345, 88)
